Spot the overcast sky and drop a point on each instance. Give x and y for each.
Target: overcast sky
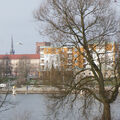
(16, 19)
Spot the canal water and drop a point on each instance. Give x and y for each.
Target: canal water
(36, 107)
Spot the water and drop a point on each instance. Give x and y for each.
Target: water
(30, 105)
(35, 107)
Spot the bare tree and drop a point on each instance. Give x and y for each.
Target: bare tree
(6, 69)
(23, 70)
(5, 72)
(91, 25)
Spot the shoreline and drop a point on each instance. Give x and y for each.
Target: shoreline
(29, 92)
(33, 90)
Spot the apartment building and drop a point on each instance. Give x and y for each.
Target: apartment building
(104, 56)
(59, 57)
(69, 57)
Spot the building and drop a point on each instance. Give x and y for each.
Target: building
(14, 63)
(69, 57)
(59, 57)
(104, 56)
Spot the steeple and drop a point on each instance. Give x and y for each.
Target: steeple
(12, 51)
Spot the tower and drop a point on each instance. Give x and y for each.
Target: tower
(12, 51)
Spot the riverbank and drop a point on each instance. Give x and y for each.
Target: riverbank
(34, 90)
(31, 90)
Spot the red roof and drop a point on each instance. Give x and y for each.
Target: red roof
(21, 56)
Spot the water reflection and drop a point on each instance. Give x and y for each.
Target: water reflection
(38, 106)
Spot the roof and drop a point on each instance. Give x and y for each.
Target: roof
(21, 56)
(43, 44)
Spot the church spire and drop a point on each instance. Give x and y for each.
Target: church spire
(12, 51)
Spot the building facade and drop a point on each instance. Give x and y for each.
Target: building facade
(70, 57)
(66, 57)
(14, 63)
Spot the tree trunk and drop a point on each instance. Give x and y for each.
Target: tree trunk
(106, 112)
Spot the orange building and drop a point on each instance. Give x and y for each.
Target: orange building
(59, 57)
(69, 57)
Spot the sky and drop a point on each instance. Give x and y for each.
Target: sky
(16, 19)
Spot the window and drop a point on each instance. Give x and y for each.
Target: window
(52, 50)
(42, 67)
(70, 49)
(69, 61)
(41, 49)
(46, 50)
(70, 56)
(42, 61)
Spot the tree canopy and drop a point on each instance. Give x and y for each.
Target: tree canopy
(91, 25)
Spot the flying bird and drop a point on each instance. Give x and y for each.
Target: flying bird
(20, 43)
